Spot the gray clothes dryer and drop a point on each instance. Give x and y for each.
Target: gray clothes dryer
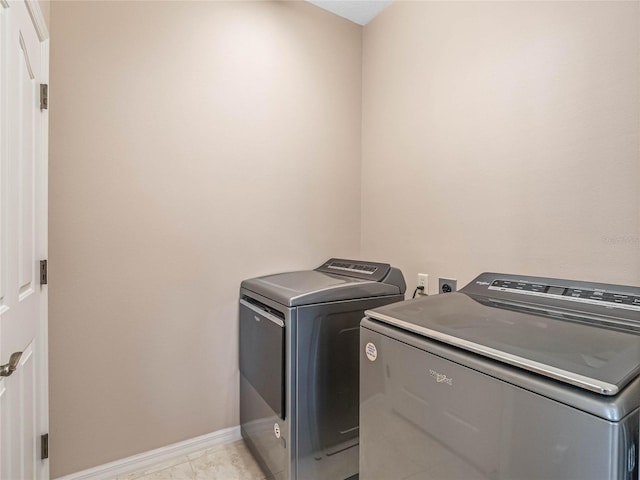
(299, 365)
(511, 378)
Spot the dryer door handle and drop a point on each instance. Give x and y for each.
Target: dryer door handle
(262, 313)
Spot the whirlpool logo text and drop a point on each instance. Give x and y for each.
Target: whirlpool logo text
(441, 378)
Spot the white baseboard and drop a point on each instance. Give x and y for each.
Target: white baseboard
(147, 459)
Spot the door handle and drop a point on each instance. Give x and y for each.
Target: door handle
(9, 368)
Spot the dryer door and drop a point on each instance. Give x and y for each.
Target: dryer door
(262, 360)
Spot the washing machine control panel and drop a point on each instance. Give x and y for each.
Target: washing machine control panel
(595, 296)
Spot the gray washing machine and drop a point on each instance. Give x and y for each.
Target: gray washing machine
(511, 378)
(299, 365)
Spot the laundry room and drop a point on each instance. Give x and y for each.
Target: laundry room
(193, 145)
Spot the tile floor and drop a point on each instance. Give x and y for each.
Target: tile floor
(229, 461)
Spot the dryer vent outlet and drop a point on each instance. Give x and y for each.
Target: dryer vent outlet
(447, 285)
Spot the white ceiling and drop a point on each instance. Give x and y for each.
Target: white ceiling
(358, 11)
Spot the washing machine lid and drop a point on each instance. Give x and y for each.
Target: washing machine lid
(317, 286)
(594, 346)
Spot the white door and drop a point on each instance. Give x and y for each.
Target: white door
(23, 228)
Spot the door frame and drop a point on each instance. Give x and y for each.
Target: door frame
(42, 379)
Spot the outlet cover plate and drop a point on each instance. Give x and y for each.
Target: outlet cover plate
(446, 285)
(423, 281)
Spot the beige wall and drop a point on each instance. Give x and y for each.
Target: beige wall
(503, 137)
(193, 144)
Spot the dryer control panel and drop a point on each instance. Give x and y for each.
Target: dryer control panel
(373, 271)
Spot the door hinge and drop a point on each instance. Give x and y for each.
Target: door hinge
(44, 96)
(44, 446)
(43, 272)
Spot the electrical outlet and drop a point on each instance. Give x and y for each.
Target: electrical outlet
(447, 285)
(423, 281)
